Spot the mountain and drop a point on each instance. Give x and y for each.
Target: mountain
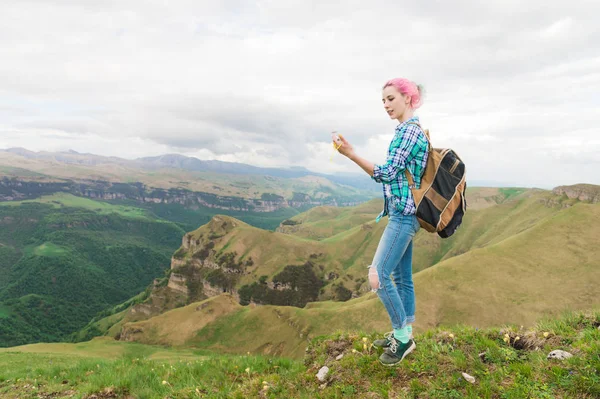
(25, 159)
(516, 252)
(63, 261)
(174, 181)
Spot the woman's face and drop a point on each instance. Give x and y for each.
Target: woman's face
(394, 102)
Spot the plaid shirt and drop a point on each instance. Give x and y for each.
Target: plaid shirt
(408, 150)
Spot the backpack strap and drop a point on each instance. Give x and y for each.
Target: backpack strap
(411, 182)
(425, 132)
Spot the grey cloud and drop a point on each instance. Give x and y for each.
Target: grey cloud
(188, 144)
(269, 77)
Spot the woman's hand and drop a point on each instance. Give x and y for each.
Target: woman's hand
(342, 145)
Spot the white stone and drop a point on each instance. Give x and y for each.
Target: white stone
(469, 378)
(322, 373)
(339, 357)
(559, 354)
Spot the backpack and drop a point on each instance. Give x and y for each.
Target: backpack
(440, 202)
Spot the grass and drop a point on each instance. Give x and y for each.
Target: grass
(130, 369)
(59, 200)
(511, 192)
(507, 362)
(508, 280)
(49, 249)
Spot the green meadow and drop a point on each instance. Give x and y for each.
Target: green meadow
(507, 362)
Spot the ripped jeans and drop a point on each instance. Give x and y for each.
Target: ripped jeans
(390, 275)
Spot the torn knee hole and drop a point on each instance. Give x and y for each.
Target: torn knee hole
(374, 279)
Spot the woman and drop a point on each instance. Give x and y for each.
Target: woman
(390, 274)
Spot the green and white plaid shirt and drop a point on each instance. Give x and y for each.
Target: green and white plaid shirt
(408, 151)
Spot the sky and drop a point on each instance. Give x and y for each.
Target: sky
(512, 86)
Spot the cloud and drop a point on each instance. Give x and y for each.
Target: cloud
(265, 81)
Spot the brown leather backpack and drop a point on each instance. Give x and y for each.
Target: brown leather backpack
(440, 200)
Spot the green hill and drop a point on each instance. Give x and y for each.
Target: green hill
(505, 362)
(65, 259)
(508, 263)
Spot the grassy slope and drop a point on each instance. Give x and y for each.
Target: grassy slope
(65, 200)
(517, 279)
(507, 363)
(493, 215)
(352, 236)
(545, 269)
(324, 222)
(187, 219)
(270, 251)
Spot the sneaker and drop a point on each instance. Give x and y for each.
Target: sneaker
(386, 341)
(396, 352)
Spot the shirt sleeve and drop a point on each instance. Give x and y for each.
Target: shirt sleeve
(402, 150)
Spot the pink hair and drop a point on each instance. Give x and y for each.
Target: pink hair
(407, 88)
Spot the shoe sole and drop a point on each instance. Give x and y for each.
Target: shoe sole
(409, 350)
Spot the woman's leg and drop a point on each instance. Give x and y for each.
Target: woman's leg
(402, 277)
(394, 242)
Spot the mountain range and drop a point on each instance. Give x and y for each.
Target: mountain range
(517, 251)
(102, 246)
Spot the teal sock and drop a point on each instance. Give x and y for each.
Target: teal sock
(402, 335)
(409, 329)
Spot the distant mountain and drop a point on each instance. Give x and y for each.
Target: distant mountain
(68, 157)
(177, 161)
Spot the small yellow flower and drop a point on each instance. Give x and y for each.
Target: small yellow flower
(247, 369)
(353, 350)
(506, 339)
(506, 336)
(517, 338)
(451, 335)
(265, 387)
(365, 339)
(364, 346)
(265, 383)
(164, 382)
(546, 334)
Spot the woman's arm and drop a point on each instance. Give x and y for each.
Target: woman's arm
(402, 150)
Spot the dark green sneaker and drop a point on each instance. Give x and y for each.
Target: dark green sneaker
(396, 352)
(386, 341)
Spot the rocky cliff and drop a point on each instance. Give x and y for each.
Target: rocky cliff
(197, 272)
(12, 189)
(582, 192)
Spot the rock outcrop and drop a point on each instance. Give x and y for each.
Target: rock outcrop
(12, 189)
(582, 192)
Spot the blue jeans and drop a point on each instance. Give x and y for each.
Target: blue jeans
(393, 265)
